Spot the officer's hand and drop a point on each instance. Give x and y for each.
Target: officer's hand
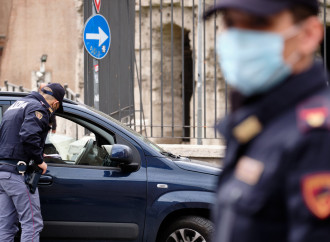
(43, 166)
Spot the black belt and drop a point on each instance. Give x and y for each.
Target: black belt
(15, 166)
(10, 162)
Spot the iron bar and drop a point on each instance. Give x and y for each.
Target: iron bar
(182, 77)
(215, 72)
(140, 56)
(151, 67)
(131, 71)
(141, 104)
(194, 67)
(172, 81)
(204, 71)
(199, 69)
(161, 68)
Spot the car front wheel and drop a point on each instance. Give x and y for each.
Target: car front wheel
(188, 229)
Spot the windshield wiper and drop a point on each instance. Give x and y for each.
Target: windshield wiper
(170, 154)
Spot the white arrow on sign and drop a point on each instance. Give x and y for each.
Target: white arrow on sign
(101, 36)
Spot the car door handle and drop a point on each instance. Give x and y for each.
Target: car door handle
(45, 180)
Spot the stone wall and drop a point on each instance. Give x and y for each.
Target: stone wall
(44, 27)
(5, 8)
(178, 103)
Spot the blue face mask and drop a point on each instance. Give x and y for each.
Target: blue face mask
(252, 61)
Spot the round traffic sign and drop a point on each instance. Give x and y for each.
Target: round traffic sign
(97, 36)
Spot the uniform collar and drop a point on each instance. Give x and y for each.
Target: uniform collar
(259, 110)
(42, 100)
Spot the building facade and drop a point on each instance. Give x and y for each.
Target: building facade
(179, 92)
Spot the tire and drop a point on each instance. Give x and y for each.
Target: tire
(188, 229)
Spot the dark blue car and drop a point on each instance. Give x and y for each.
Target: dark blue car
(105, 182)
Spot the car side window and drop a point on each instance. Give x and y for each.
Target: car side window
(75, 144)
(3, 108)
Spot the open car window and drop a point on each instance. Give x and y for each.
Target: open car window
(75, 144)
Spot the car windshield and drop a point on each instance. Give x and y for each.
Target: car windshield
(133, 132)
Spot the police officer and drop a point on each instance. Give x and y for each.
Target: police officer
(275, 184)
(23, 132)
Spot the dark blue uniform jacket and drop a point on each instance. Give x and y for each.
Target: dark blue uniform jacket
(24, 129)
(275, 185)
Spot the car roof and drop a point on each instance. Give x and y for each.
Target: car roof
(119, 126)
(23, 94)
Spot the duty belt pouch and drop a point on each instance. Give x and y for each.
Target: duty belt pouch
(33, 176)
(32, 180)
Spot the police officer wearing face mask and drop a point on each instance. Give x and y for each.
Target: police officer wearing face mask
(23, 132)
(275, 184)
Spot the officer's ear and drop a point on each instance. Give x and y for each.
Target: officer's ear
(55, 105)
(311, 36)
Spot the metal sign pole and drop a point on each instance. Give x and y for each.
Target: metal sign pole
(96, 75)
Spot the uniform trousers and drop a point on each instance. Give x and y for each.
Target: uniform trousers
(17, 204)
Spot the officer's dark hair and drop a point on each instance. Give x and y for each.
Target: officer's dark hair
(253, 20)
(301, 13)
(45, 95)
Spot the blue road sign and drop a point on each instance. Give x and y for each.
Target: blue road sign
(97, 36)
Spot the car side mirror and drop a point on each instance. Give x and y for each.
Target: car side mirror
(120, 153)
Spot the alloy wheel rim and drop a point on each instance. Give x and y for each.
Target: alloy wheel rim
(185, 235)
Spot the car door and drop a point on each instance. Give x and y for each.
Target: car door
(86, 199)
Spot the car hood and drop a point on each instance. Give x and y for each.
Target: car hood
(197, 166)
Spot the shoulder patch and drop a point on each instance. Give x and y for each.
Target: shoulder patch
(316, 193)
(247, 129)
(249, 170)
(38, 115)
(314, 113)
